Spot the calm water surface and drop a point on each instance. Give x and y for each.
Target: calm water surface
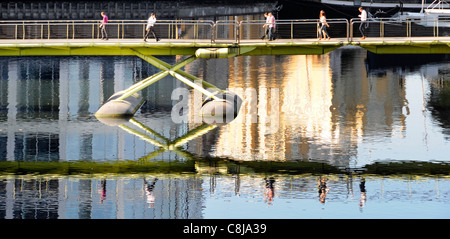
(346, 109)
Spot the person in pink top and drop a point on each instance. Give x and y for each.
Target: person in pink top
(103, 26)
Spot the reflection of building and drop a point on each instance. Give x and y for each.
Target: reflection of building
(325, 107)
(90, 198)
(119, 9)
(46, 108)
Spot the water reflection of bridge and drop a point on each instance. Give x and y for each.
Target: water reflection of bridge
(47, 107)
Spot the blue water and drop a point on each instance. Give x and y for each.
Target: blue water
(222, 197)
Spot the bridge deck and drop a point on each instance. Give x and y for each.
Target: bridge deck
(394, 45)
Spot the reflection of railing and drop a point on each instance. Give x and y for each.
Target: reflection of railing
(221, 31)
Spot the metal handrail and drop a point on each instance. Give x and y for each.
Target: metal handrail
(232, 30)
(404, 27)
(70, 28)
(304, 23)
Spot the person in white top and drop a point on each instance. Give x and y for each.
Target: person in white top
(323, 27)
(150, 27)
(266, 29)
(270, 22)
(363, 26)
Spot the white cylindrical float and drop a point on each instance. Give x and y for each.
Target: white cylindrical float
(116, 112)
(208, 53)
(222, 110)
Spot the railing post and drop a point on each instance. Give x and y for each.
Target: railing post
(348, 29)
(408, 28)
(237, 30)
(292, 31)
(437, 27)
(351, 29)
(169, 30)
(381, 28)
(317, 29)
(213, 31)
(238, 36)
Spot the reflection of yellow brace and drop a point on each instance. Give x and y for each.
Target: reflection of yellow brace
(167, 145)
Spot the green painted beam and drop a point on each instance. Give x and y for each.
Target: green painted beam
(406, 47)
(105, 49)
(279, 47)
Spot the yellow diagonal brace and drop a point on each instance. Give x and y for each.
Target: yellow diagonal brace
(164, 66)
(152, 79)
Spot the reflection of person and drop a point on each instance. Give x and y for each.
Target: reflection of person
(102, 191)
(322, 189)
(150, 27)
(149, 191)
(362, 188)
(363, 25)
(323, 27)
(270, 193)
(103, 26)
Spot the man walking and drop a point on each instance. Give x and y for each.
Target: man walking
(150, 27)
(103, 26)
(270, 22)
(363, 26)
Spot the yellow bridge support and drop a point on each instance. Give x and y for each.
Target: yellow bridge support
(124, 104)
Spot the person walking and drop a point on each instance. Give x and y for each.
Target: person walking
(266, 29)
(270, 22)
(103, 26)
(323, 27)
(363, 26)
(150, 27)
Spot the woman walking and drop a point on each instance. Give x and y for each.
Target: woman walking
(103, 26)
(323, 27)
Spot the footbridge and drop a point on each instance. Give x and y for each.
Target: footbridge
(208, 39)
(227, 38)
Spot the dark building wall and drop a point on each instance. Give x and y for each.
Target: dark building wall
(120, 9)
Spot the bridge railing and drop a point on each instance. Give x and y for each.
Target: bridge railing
(226, 31)
(396, 28)
(126, 29)
(293, 29)
(222, 31)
